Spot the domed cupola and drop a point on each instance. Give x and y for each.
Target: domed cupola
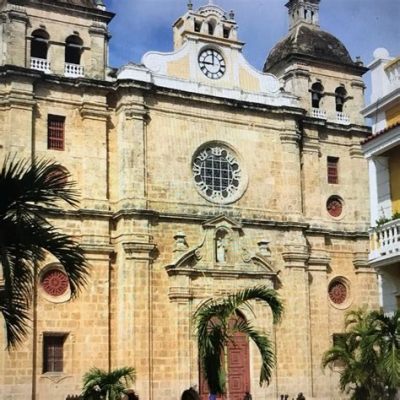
(307, 41)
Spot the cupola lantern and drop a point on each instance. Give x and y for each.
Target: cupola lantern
(303, 11)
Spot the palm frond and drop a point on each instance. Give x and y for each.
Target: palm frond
(264, 346)
(112, 384)
(213, 331)
(27, 190)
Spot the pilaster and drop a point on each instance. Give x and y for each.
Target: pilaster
(16, 28)
(99, 48)
(291, 185)
(94, 116)
(131, 149)
(294, 331)
(133, 320)
(310, 173)
(318, 264)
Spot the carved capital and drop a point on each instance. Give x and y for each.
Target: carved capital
(138, 250)
(292, 138)
(360, 260)
(179, 294)
(18, 13)
(295, 256)
(319, 261)
(89, 111)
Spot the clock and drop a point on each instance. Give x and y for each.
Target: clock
(212, 64)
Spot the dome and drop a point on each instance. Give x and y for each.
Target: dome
(309, 42)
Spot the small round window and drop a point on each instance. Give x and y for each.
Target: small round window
(55, 282)
(339, 293)
(334, 206)
(217, 174)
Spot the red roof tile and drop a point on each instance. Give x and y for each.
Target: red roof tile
(380, 133)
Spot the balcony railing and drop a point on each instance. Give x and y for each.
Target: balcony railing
(342, 118)
(40, 64)
(73, 70)
(386, 241)
(393, 72)
(318, 113)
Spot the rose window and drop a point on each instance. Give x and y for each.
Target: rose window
(337, 292)
(217, 174)
(334, 206)
(55, 282)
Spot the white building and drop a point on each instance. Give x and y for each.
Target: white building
(382, 150)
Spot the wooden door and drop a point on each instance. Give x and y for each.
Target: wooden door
(238, 367)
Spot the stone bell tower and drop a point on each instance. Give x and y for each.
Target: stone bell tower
(62, 37)
(317, 67)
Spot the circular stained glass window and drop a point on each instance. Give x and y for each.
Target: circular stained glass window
(338, 292)
(55, 282)
(217, 174)
(334, 206)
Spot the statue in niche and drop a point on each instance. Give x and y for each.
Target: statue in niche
(221, 247)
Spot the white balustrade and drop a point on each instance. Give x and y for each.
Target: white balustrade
(388, 240)
(342, 118)
(393, 72)
(40, 64)
(73, 70)
(318, 113)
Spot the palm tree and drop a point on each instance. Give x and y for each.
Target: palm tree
(99, 384)
(214, 329)
(368, 355)
(27, 190)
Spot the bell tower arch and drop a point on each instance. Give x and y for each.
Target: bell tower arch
(37, 35)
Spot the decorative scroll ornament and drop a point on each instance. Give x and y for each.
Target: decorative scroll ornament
(55, 282)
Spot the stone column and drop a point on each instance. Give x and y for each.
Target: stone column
(180, 295)
(311, 187)
(94, 149)
(133, 320)
(293, 334)
(16, 34)
(98, 51)
(367, 278)
(318, 264)
(129, 167)
(291, 186)
(20, 115)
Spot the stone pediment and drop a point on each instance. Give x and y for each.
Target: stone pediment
(221, 220)
(221, 253)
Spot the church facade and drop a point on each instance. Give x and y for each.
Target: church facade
(198, 176)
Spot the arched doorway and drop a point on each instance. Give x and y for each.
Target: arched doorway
(237, 365)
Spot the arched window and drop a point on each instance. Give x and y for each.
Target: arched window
(73, 49)
(317, 91)
(340, 98)
(211, 27)
(39, 44)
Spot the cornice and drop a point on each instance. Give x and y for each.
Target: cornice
(56, 5)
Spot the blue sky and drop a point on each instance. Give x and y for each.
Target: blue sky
(362, 25)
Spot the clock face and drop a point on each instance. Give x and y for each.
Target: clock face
(212, 63)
